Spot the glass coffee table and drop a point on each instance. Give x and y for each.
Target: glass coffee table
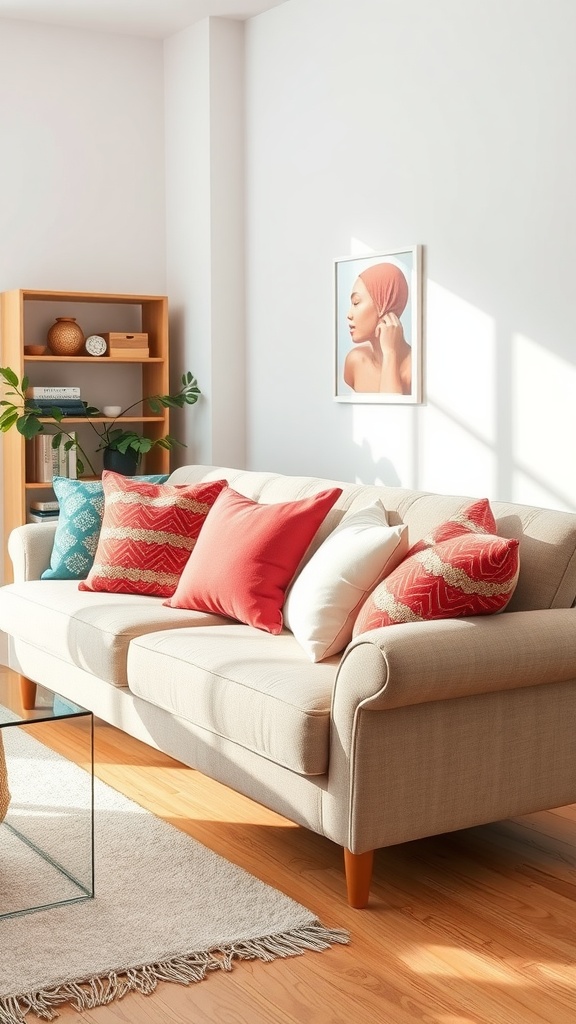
(47, 835)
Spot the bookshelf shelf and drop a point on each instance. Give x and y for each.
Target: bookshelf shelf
(106, 419)
(95, 361)
(25, 316)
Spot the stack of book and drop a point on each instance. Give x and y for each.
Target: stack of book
(66, 399)
(43, 512)
(47, 462)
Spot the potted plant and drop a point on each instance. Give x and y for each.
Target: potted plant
(18, 410)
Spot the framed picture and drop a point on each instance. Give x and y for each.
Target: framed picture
(378, 327)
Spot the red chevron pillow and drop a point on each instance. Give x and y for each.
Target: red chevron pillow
(475, 518)
(148, 532)
(473, 574)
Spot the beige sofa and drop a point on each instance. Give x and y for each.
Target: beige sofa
(416, 729)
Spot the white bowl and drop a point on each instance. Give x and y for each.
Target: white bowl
(112, 410)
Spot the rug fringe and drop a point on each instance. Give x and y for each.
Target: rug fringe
(103, 989)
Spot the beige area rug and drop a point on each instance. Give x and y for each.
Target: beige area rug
(166, 908)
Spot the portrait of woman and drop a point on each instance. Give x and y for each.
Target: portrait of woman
(377, 336)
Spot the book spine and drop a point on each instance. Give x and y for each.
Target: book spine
(43, 457)
(62, 459)
(53, 392)
(45, 506)
(31, 471)
(55, 453)
(73, 408)
(33, 517)
(72, 459)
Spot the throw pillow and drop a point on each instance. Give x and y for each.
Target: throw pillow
(475, 518)
(472, 574)
(324, 599)
(78, 529)
(148, 532)
(246, 557)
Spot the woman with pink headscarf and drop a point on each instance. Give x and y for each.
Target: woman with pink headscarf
(381, 360)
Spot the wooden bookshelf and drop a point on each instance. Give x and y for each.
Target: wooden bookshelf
(25, 316)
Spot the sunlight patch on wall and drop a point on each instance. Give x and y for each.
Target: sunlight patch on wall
(543, 426)
(452, 459)
(458, 432)
(460, 359)
(384, 437)
(359, 248)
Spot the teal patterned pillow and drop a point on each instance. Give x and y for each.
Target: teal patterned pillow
(81, 509)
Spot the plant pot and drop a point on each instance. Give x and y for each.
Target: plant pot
(125, 463)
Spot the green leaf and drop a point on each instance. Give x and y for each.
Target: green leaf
(79, 465)
(9, 376)
(25, 383)
(8, 419)
(56, 414)
(56, 440)
(29, 426)
(155, 406)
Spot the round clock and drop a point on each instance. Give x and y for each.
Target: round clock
(95, 345)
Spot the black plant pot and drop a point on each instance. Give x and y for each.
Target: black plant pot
(125, 463)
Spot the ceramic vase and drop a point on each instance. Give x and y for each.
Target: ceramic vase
(65, 337)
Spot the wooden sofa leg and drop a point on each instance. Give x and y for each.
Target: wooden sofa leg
(358, 868)
(27, 693)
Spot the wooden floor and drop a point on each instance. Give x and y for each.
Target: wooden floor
(475, 927)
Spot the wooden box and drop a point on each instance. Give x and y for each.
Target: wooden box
(116, 339)
(127, 346)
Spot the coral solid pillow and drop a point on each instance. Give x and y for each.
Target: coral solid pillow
(324, 599)
(473, 574)
(247, 554)
(148, 531)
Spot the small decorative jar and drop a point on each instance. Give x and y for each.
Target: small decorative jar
(65, 337)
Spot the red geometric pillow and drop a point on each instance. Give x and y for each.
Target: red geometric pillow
(473, 574)
(475, 518)
(148, 532)
(247, 555)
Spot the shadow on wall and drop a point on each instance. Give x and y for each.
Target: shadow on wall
(373, 471)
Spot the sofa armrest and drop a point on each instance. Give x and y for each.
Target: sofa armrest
(414, 663)
(30, 548)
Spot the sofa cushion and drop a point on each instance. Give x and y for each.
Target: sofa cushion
(86, 629)
(247, 555)
(148, 532)
(472, 574)
(81, 504)
(271, 699)
(323, 602)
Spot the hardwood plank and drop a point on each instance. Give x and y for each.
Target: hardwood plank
(475, 927)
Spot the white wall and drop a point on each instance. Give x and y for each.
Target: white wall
(373, 125)
(204, 74)
(82, 168)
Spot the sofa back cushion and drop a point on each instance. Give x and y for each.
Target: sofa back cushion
(547, 537)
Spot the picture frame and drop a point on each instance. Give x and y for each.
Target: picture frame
(383, 316)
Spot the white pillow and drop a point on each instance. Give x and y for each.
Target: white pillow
(322, 603)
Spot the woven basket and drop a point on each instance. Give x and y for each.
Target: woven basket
(4, 791)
